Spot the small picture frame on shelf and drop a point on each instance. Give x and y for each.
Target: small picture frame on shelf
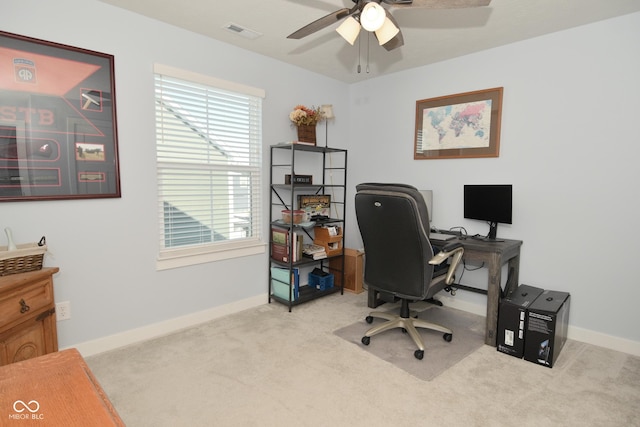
(315, 206)
(298, 179)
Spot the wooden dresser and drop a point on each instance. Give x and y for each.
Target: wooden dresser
(57, 389)
(27, 315)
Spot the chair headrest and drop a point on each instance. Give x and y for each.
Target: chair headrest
(400, 188)
(378, 186)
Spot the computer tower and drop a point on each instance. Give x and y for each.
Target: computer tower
(547, 322)
(512, 319)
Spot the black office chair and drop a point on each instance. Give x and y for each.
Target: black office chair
(399, 263)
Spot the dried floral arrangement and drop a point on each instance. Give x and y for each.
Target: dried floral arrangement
(302, 115)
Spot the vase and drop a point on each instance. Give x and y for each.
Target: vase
(307, 133)
(11, 245)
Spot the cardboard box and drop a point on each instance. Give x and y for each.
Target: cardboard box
(332, 242)
(353, 270)
(547, 322)
(325, 234)
(512, 319)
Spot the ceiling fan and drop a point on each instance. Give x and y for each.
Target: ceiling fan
(371, 16)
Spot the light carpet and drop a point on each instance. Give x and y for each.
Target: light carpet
(397, 347)
(268, 367)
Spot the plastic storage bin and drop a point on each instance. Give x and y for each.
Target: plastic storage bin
(321, 281)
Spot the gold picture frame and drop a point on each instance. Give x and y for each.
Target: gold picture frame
(458, 126)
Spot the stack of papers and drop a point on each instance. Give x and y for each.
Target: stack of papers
(314, 251)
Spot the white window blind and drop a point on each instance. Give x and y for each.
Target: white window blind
(209, 162)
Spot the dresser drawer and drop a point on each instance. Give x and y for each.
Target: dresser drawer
(20, 303)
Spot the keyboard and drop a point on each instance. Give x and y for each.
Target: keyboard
(440, 236)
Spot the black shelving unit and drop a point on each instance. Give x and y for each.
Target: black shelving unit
(331, 178)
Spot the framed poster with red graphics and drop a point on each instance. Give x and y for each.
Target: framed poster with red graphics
(58, 133)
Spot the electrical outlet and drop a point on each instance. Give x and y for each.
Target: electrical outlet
(63, 310)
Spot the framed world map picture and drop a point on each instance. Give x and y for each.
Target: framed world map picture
(459, 126)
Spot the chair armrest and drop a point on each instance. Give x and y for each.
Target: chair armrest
(453, 251)
(446, 252)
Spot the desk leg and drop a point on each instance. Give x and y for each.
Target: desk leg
(514, 275)
(371, 298)
(493, 300)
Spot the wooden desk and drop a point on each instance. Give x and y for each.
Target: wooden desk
(57, 389)
(494, 255)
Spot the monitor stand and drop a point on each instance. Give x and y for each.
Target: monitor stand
(493, 230)
(491, 237)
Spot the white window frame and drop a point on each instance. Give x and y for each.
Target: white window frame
(213, 251)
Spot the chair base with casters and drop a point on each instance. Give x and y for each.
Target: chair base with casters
(407, 320)
(408, 324)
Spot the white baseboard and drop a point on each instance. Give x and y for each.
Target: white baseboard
(159, 329)
(479, 309)
(573, 332)
(156, 330)
(602, 340)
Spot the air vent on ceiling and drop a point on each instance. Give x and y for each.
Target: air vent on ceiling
(241, 31)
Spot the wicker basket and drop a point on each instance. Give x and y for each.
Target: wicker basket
(307, 133)
(28, 257)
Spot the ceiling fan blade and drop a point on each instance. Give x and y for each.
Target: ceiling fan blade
(319, 24)
(398, 40)
(437, 4)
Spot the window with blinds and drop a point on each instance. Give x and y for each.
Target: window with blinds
(209, 161)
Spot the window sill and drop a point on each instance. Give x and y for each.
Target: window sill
(186, 257)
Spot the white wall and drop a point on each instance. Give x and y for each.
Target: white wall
(570, 145)
(569, 142)
(106, 249)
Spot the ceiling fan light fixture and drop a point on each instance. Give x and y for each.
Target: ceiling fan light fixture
(387, 32)
(372, 16)
(349, 30)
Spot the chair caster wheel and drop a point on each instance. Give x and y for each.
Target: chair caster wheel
(366, 340)
(447, 337)
(419, 354)
(369, 319)
(434, 302)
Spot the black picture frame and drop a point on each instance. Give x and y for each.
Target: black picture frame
(58, 127)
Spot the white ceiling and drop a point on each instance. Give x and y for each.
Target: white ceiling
(430, 35)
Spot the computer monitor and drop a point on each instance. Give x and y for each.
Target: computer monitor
(428, 199)
(491, 203)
